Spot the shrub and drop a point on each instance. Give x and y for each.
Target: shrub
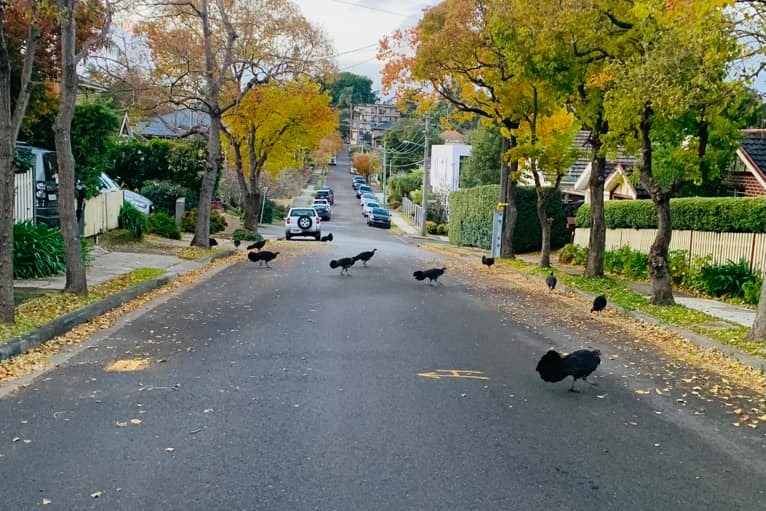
(132, 220)
(394, 204)
(245, 235)
(189, 221)
(273, 212)
(38, 251)
(573, 254)
(442, 229)
(431, 227)
(711, 214)
(728, 279)
(164, 194)
(471, 213)
(627, 262)
(164, 225)
(678, 261)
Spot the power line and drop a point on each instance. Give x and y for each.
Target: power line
(371, 8)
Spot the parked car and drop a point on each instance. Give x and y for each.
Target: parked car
(361, 189)
(367, 197)
(303, 222)
(324, 211)
(358, 180)
(379, 216)
(323, 202)
(325, 193)
(369, 206)
(141, 203)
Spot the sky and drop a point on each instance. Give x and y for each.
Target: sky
(356, 26)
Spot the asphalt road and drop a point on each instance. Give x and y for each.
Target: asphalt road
(296, 388)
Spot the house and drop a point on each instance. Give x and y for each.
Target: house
(747, 175)
(446, 162)
(368, 121)
(176, 124)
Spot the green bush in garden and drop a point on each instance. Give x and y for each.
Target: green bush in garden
(245, 235)
(164, 225)
(189, 221)
(38, 251)
(471, 213)
(132, 220)
(711, 214)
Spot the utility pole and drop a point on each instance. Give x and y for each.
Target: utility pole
(385, 154)
(423, 230)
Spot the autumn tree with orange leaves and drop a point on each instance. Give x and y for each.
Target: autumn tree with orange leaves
(209, 53)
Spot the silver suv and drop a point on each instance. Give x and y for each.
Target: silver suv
(303, 222)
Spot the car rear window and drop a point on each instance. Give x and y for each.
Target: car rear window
(302, 211)
(380, 211)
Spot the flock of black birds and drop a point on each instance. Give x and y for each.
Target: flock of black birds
(553, 367)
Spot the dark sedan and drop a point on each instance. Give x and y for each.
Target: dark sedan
(379, 216)
(323, 211)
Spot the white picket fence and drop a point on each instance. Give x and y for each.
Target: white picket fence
(413, 211)
(722, 247)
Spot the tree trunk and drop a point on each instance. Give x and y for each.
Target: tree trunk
(597, 238)
(659, 270)
(545, 229)
(202, 231)
(70, 230)
(7, 188)
(252, 210)
(758, 331)
(508, 196)
(10, 125)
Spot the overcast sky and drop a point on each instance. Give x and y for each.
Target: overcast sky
(356, 26)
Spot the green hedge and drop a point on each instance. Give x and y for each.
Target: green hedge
(471, 213)
(713, 214)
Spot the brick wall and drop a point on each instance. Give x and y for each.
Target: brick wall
(746, 183)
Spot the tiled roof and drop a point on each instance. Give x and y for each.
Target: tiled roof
(754, 144)
(174, 124)
(581, 143)
(452, 136)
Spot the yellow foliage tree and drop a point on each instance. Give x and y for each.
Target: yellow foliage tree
(265, 130)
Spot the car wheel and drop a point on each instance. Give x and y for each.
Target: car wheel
(305, 222)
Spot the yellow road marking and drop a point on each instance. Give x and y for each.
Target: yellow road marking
(453, 373)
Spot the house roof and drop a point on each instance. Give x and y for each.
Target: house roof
(579, 167)
(174, 124)
(754, 146)
(452, 136)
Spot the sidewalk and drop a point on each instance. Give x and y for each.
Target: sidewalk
(715, 308)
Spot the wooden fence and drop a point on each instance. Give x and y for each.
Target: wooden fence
(722, 247)
(102, 212)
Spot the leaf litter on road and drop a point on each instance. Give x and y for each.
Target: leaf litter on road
(679, 369)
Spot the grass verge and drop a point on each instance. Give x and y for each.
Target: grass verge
(677, 315)
(41, 307)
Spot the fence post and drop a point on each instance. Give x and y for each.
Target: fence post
(180, 209)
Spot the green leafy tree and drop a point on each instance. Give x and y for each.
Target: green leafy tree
(668, 103)
(94, 127)
(483, 166)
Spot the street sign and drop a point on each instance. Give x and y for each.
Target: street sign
(497, 231)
